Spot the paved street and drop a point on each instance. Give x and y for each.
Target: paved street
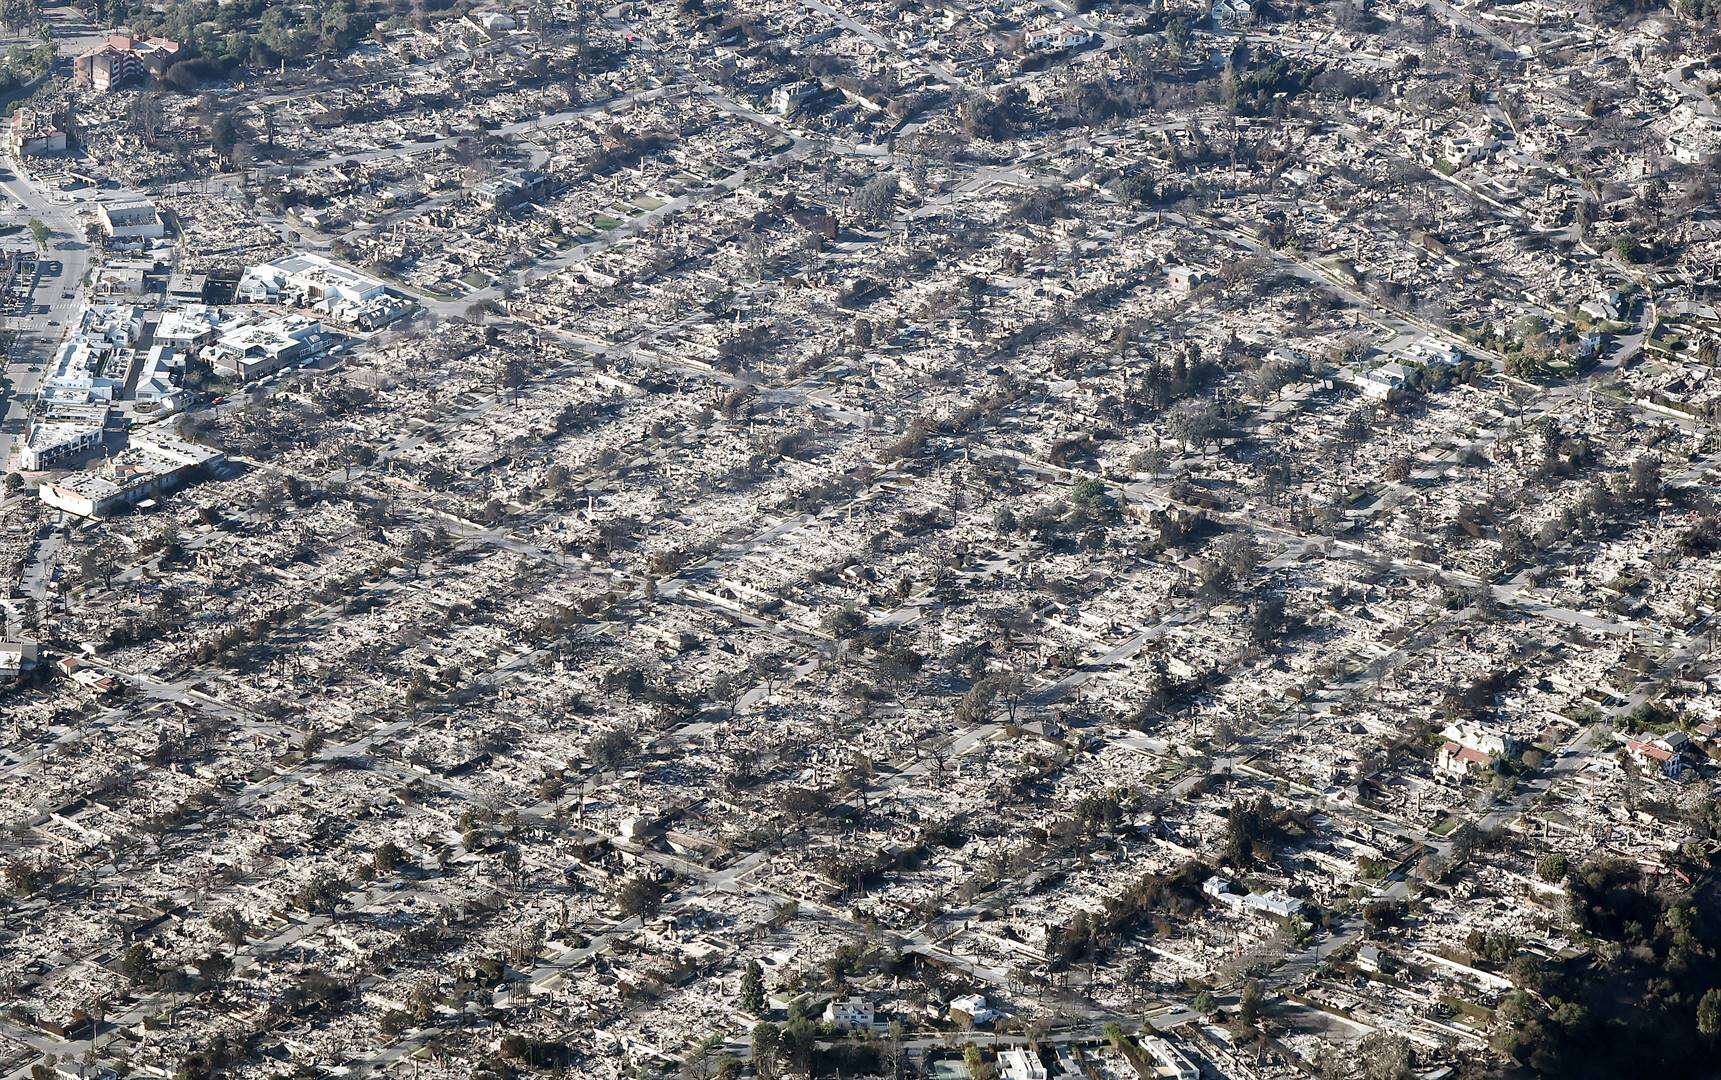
(62, 269)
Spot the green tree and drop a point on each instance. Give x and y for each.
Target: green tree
(138, 963)
(753, 988)
(609, 749)
(1381, 1055)
(638, 895)
(1709, 1013)
(799, 1036)
(978, 1067)
(767, 1044)
(388, 855)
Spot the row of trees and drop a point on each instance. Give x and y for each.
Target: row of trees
(258, 33)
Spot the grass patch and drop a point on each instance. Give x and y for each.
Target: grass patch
(1467, 1009)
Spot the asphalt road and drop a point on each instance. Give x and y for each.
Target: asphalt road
(61, 270)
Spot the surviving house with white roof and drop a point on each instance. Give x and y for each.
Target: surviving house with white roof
(1056, 38)
(1275, 904)
(976, 1008)
(158, 377)
(16, 658)
(1170, 1060)
(1020, 1064)
(1379, 382)
(1431, 350)
(1470, 747)
(849, 1014)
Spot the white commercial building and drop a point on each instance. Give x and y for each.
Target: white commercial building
(132, 221)
(188, 328)
(153, 463)
(310, 280)
(63, 434)
(260, 347)
(92, 363)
